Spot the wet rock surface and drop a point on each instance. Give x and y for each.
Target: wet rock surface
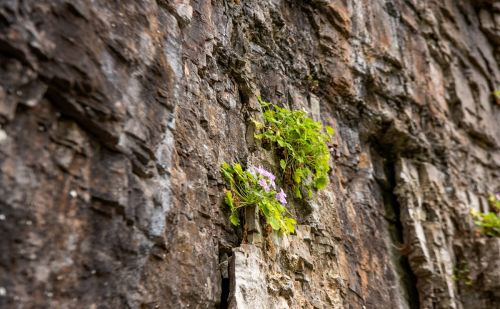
(115, 118)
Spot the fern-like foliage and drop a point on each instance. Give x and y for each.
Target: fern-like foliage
(302, 145)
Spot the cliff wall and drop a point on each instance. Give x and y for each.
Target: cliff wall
(116, 115)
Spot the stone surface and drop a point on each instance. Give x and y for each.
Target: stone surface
(115, 118)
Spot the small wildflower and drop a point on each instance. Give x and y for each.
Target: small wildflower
(268, 174)
(281, 197)
(254, 170)
(263, 184)
(256, 186)
(262, 171)
(497, 196)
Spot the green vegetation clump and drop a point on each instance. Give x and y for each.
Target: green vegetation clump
(303, 152)
(496, 96)
(302, 145)
(461, 274)
(256, 186)
(489, 223)
(496, 93)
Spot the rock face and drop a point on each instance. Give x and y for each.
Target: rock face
(116, 115)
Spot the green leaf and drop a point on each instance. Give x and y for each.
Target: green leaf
(237, 168)
(297, 192)
(330, 131)
(275, 224)
(321, 182)
(283, 164)
(258, 136)
(289, 225)
(258, 125)
(297, 175)
(228, 198)
(233, 218)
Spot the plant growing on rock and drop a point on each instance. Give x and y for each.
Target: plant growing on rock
(256, 186)
(489, 223)
(302, 146)
(496, 96)
(494, 201)
(461, 273)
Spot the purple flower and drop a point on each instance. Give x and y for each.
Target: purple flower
(262, 172)
(263, 183)
(281, 197)
(268, 174)
(260, 169)
(497, 196)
